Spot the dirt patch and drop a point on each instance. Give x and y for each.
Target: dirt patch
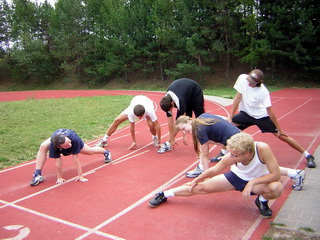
(276, 233)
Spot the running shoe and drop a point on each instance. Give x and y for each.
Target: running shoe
(155, 141)
(36, 179)
(264, 209)
(102, 144)
(165, 147)
(194, 173)
(297, 181)
(217, 158)
(157, 200)
(310, 161)
(107, 156)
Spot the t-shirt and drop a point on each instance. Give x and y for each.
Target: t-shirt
(76, 142)
(147, 103)
(218, 132)
(185, 93)
(255, 100)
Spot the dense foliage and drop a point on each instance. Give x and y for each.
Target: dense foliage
(95, 40)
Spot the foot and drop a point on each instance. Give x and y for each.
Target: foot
(102, 144)
(310, 162)
(107, 156)
(298, 180)
(264, 209)
(155, 141)
(157, 200)
(217, 158)
(165, 147)
(36, 179)
(194, 173)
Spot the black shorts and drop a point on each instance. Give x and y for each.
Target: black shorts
(243, 120)
(238, 183)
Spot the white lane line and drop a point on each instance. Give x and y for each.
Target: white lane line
(59, 220)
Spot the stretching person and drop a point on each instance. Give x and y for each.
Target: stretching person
(254, 171)
(140, 107)
(187, 96)
(211, 129)
(65, 142)
(254, 103)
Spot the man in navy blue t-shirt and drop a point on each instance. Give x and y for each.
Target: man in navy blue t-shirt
(64, 142)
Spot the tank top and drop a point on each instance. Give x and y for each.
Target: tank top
(253, 170)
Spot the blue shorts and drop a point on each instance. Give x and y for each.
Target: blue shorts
(238, 183)
(244, 120)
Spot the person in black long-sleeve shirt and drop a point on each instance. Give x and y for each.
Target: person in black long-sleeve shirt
(187, 96)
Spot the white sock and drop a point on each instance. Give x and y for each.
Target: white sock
(105, 138)
(200, 166)
(306, 154)
(262, 199)
(168, 193)
(292, 172)
(224, 151)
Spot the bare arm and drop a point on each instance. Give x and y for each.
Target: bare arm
(235, 105)
(266, 155)
(275, 121)
(133, 135)
(79, 168)
(60, 180)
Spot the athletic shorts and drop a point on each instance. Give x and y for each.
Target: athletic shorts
(243, 120)
(238, 183)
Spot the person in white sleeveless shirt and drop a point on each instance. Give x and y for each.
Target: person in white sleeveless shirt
(254, 171)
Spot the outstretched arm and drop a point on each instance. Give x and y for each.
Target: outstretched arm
(235, 105)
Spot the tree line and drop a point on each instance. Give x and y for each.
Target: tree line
(96, 40)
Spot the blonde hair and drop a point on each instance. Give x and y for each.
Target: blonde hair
(196, 124)
(241, 142)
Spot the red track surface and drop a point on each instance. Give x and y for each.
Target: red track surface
(113, 203)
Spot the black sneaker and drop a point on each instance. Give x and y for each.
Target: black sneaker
(217, 158)
(264, 209)
(36, 179)
(311, 163)
(107, 156)
(157, 200)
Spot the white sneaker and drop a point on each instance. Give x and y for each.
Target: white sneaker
(194, 173)
(102, 144)
(155, 141)
(298, 180)
(165, 147)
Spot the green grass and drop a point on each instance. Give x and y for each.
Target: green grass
(26, 124)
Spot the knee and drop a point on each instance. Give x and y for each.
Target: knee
(276, 189)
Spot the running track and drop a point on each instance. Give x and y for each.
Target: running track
(113, 203)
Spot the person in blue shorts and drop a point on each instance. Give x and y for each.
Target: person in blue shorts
(212, 129)
(254, 104)
(254, 170)
(64, 142)
(186, 96)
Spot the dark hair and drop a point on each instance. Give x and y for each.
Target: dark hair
(58, 139)
(166, 103)
(139, 110)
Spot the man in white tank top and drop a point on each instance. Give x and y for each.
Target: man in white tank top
(254, 171)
